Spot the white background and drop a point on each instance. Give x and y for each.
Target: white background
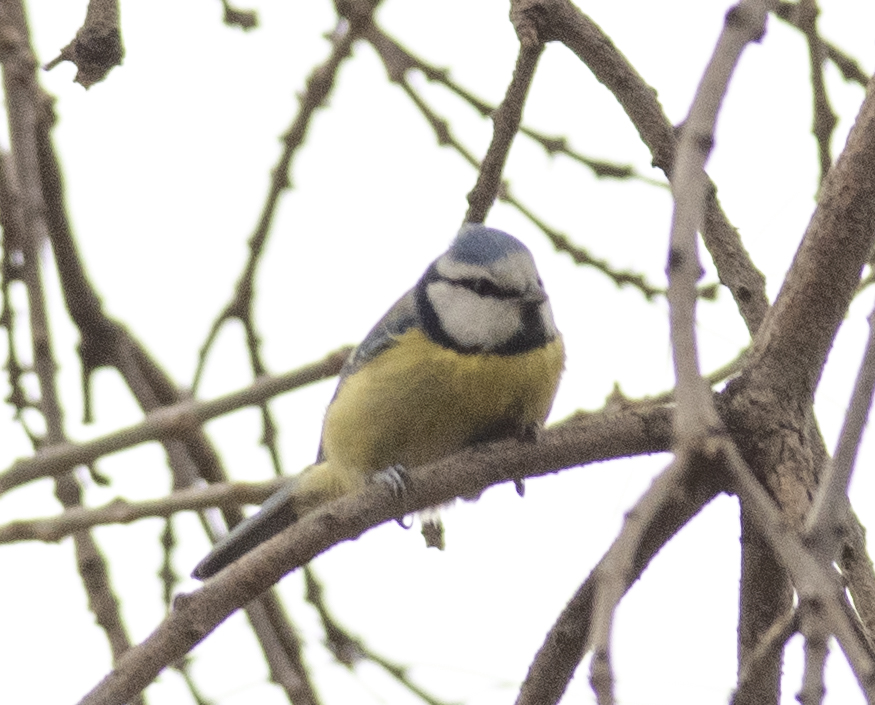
(167, 164)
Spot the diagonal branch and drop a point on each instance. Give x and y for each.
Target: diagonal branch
(26, 207)
(582, 439)
(177, 420)
(120, 511)
(560, 20)
(675, 497)
(824, 116)
(445, 137)
(506, 121)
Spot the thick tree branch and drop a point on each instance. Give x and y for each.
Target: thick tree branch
(788, 354)
(579, 440)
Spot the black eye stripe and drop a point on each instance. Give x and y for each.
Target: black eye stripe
(484, 287)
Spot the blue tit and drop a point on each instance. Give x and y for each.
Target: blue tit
(469, 354)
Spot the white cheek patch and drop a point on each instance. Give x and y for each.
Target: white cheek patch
(547, 319)
(473, 321)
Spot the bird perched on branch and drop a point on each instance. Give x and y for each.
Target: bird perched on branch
(469, 354)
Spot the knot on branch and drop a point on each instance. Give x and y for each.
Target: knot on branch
(97, 46)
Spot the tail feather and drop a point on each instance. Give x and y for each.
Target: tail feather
(277, 513)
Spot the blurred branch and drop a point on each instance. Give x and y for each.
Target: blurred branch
(560, 20)
(769, 649)
(577, 441)
(26, 208)
(348, 649)
(97, 46)
(816, 583)
(696, 416)
(676, 495)
(120, 511)
(318, 87)
(235, 17)
(697, 420)
(813, 628)
(175, 421)
(506, 123)
(790, 12)
(399, 60)
(445, 137)
(106, 343)
(824, 116)
(826, 520)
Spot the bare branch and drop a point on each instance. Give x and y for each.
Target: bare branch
(790, 12)
(399, 60)
(789, 354)
(575, 442)
(824, 116)
(318, 87)
(178, 420)
(506, 122)
(349, 650)
(27, 209)
(828, 514)
(816, 650)
(814, 581)
(675, 497)
(120, 511)
(744, 23)
(767, 651)
(445, 137)
(560, 20)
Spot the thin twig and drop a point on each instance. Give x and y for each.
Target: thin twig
(121, 511)
(22, 172)
(675, 496)
(849, 68)
(560, 241)
(177, 420)
(828, 514)
(506, 123)
(349, 650)
(399, 60)
(824, 116)
(318, 87)
(561, 20)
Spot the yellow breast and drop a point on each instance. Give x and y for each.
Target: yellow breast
(419, 401)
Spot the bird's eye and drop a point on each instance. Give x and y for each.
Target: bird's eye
(484, 287)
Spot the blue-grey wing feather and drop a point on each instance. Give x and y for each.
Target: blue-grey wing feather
(401, 317)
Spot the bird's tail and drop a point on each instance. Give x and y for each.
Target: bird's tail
(276, 514)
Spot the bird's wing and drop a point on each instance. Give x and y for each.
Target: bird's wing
(401, 317)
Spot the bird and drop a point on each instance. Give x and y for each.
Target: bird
(470, 354)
